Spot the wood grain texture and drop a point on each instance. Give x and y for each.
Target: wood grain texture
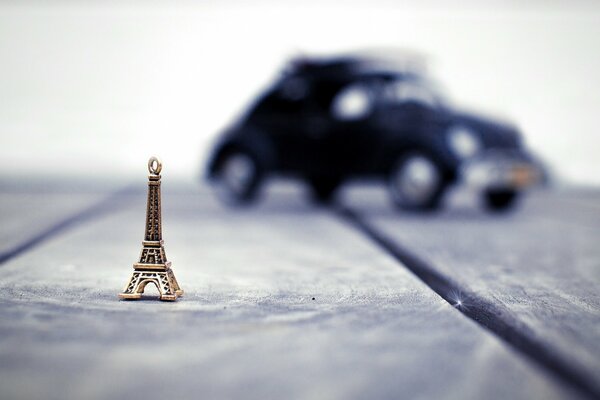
(541, 263)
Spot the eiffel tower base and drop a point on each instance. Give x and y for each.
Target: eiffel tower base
(164, 280)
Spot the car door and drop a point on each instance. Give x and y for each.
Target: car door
(285, 114)
(353, 140)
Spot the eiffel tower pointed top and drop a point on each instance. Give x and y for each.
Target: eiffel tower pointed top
(152, 266)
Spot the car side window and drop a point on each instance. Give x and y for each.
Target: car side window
(294, 89)
(289, 98)
(405, 92)
(353, 102)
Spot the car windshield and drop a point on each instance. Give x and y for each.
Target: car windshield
(412, 90)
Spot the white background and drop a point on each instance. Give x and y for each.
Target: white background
(94, 88)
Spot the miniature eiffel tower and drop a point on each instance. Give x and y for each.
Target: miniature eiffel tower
(153, 266)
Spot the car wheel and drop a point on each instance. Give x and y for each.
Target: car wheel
(498, 200)
(323, 188)
(237, 178)
(416, 182)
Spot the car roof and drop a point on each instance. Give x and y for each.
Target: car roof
(347, 68)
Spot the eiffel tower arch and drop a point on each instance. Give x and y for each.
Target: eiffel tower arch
(152, 266)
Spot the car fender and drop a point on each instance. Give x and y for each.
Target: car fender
(249, 140)
(431, 145)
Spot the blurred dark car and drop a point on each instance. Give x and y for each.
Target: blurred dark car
(330, 120)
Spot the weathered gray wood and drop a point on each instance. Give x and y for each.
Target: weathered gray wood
(25, 215)
(32, 210)
(541, 263)
(248, 326)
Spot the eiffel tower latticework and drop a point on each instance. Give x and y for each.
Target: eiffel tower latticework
(152, 266)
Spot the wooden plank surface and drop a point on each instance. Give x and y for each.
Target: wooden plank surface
(26, 214)
(538, 267)
(32, 211)
(282, 301)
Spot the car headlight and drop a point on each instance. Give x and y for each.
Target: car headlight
(463, 141)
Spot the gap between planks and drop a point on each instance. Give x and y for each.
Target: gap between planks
(112, 202)
(487, 314)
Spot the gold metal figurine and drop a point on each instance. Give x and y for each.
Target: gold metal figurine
(153, 266)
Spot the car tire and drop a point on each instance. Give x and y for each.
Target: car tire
(237, 178)
(323, 188)
(499, 200)
(417, 183)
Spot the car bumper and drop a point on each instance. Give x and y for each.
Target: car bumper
(501, 171)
